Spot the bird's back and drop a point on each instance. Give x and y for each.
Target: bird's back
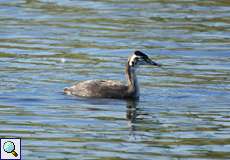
(98, 89)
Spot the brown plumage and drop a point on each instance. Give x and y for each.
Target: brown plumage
(111, 88)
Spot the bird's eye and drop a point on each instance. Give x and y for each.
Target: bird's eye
(133, 63)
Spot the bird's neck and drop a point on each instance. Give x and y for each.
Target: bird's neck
(133, 87)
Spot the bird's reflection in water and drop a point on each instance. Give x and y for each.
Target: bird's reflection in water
(131, 115)
(134, 113)
(131, 110)
(137, 118)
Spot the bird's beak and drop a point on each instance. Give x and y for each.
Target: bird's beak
(153, 63)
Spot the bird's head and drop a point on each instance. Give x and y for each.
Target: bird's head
(139, 58)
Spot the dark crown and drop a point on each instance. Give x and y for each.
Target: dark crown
(140, 54)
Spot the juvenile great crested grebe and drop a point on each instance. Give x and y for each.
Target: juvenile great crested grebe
(114, 89)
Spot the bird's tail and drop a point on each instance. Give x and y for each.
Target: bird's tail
(67, 91)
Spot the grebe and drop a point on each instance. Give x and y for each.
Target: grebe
(114, 89)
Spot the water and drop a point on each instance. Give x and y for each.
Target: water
(183, 112)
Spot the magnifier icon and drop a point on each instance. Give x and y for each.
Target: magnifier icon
(9, 147)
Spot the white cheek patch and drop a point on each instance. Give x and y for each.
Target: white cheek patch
(132, 59)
